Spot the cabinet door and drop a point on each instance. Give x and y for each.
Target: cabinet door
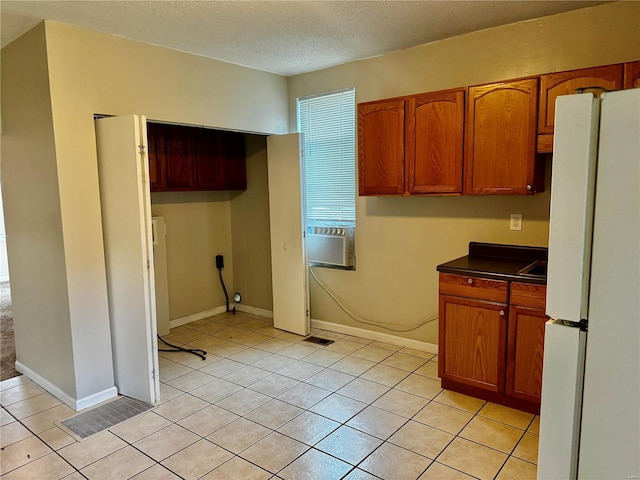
(525, 352)
(434, 140)
(473, 339)
(157, 157)
(234, 164)
(381, 147)
(566, 83)
(632, 75)
(209, 173)
(500, 149)
(180, 144)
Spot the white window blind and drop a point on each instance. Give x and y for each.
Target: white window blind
(328, 124)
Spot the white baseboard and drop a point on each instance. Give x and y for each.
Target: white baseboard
(197, 316)
(321, 324)
(76, 404)
(217, 310)
(254, 310)
(96, 398)
(377, 336)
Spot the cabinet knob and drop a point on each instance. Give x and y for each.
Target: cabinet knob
(470, 280)
(502, 313)
(529, 188)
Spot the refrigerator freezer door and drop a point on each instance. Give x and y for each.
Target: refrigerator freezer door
(561, 401)
(572, 193)
(609, 444)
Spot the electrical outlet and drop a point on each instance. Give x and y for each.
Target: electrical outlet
(516, 222)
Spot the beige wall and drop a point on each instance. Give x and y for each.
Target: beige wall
(201, 225)
(400, 241)
(91, 73)
(31, 200)
(111, 75)
(198, 229)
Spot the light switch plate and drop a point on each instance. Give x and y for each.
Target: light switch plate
(516, 222)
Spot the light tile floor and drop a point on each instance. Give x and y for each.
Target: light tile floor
(265, 404)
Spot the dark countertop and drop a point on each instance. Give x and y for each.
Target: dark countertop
(498, 262)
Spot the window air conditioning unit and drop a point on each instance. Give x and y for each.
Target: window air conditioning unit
(330, 245)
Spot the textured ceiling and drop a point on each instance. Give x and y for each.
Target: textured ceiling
(285, 37)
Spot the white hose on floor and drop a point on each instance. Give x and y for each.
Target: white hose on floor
(357, 318)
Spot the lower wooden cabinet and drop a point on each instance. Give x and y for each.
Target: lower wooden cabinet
(491, 339)
(474, 333)
(525, 341)
(524, 353)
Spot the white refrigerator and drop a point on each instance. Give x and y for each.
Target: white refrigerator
(590, 410)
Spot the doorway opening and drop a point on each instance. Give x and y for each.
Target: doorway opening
(7, 341)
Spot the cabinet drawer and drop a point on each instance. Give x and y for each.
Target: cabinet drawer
(473, 287)
(528, 295)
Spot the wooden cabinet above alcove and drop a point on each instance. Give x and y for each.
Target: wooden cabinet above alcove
(184, 158)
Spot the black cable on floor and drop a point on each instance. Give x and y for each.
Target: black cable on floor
(194, 351)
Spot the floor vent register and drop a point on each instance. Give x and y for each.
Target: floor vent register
(104, 416)
(318, 340)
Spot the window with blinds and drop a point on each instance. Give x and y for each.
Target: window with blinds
(328, 124)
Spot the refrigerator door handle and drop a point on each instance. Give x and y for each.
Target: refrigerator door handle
(583, 324)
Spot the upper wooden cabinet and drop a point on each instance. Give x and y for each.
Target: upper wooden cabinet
(183, 158)
(157, 156)
(566, 83)
(208, 162)
(381, 147)
(220, 161)
(632, 75)
(552, 85)
(180, 152)
(411, 145)
(500, 145)
(234, 165)
(425, 144)
(434, 140)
